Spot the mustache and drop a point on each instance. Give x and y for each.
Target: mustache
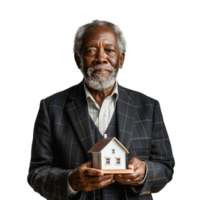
(91, 70)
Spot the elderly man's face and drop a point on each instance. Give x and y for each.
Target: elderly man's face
(100, 56)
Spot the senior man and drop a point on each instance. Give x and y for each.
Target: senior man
(70, 122)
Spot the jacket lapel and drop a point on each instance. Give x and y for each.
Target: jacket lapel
(78, 114)
(126, 111)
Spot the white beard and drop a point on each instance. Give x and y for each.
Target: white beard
(98, 81)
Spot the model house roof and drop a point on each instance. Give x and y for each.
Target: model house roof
(103, 142)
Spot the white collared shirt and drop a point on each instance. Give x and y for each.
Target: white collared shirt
(101, 115)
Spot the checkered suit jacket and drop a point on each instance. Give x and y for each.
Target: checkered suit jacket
(62, 137)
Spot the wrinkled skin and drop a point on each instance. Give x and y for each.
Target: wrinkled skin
(86, 178)
(135, 178)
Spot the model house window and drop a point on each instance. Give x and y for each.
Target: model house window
(107, 161)
(118, 161)
(113, 151)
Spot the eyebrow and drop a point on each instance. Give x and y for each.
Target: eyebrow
(94, 45)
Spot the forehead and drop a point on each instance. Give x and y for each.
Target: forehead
(99, 33)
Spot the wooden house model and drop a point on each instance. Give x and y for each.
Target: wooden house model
(109, 154)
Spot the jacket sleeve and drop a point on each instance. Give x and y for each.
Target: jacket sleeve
(46, 179)
(161, 162)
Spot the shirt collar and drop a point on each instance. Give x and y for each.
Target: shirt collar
(115, 91)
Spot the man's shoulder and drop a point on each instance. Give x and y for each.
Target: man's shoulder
(138, 97)
(59, 97)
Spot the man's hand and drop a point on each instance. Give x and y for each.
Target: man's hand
(139, 168)
(87, 179)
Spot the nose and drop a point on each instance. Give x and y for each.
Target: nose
(100, 58)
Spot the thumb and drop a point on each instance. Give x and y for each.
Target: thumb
(88, 163)
(130, 166)
(132, 163)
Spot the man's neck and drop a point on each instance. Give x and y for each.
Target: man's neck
(99, 96)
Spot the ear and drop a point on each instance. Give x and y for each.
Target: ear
(123, 61)
(76, 61)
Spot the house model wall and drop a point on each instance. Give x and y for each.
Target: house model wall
(109, 153)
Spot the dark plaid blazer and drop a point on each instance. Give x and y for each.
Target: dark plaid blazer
(63, 135)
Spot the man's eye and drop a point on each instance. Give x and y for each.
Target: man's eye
(90, 50)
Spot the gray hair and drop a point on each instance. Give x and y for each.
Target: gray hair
(81, 30)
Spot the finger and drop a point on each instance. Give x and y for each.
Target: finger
(138, 179)
(88, 163)
(129, 176)
(130, 166)
(135, 162)
(93, 172)
(134, 166)
(97, 185)
(124, 181)
(103, 178)
(139, 172)
(106, 182)
(133, 177)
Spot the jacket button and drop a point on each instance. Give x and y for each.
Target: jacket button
(90, 194)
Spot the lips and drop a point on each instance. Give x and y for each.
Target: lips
(103, 71)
